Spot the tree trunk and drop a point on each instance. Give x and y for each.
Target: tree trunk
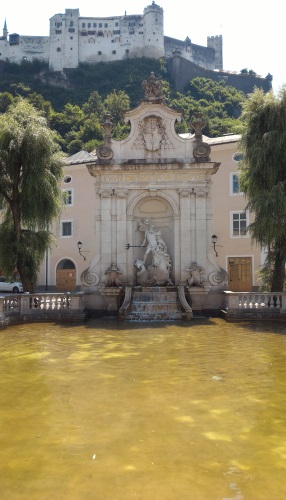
(278, 273)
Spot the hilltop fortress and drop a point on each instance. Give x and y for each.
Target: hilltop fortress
(74, 40)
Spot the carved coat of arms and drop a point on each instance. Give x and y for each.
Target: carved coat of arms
(152, 132)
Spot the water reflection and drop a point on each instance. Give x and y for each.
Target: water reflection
(108, 410)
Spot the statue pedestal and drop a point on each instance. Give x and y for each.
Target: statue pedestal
(111, 296)
(197, 295)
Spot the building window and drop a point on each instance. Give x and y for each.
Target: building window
(234, 184)
(94, 25)
(68, 197)
(67, 179)
(83, 25)
(58, 49)
(100, 33)
(91, 32)
(106, 25)
(126, 51)
(66, 228)
(71, 23)
(116, 32)
(239, 224)
(99, 52)
(100, 25)
(116, 24)
(237, 157)
(89, 25)
(58, 32)
(71, 30)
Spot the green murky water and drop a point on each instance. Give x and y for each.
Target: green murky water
(127, 411)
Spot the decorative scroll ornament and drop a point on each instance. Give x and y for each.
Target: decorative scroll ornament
(202, 151)
(153, 88)
(105, 152)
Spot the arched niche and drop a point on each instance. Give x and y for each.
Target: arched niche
(160, 211)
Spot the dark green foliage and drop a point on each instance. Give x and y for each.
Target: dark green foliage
(30, 170)
(76, 112)
(263, 175)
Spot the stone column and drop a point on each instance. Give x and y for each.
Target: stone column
(201, 226)
(121, 229)
(185, 229)
(129, 253)
(106, 228)
(192, 226)
(97, 244)
(177, 247)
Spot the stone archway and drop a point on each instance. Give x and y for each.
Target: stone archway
(66, 276)
(160, 211)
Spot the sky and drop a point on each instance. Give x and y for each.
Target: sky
(252, 30)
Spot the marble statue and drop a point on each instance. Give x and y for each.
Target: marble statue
(112, 276)
(158, 273)
(197, 272)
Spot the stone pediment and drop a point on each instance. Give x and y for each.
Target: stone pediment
(153, 135)
(153, 138)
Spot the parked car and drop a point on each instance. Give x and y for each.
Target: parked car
(10, 286)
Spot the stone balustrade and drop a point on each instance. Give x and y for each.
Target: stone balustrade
(254, 305)
(41, 306)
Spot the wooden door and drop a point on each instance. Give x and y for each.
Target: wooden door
(240, 274)
(66, 280)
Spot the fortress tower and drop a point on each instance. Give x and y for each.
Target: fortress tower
(154, 31)
(215, 42)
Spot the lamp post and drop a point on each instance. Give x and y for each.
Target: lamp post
(214, 240)
(79, 246)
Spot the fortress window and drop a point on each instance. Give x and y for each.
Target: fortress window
(83, 33)
(58, 32)
(106, 25)
(58, 25)
(126, 51)
(83, 25)
(114, 52)
(91, 32)
(99, 52)
(116, 32)
(71, 30)
(100, 25)
(131, 32)
(116, 24)
(58, 49)
(71, 37)
(89, 25)
(141, 33)
(94, 25)
(71, 23)
(100, 33)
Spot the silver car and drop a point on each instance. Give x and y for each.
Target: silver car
(10, 286)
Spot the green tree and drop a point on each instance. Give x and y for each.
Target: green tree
(263, 175)
(30, 170)
(116, 103)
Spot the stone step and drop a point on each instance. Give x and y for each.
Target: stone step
(164, 316)
(152, 308)
(165, 297)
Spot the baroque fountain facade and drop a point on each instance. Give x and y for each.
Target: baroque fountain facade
(153, 256)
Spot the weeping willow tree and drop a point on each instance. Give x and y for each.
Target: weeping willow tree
(263, 176)
(30, 195)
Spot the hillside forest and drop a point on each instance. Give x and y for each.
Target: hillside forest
(76, 102)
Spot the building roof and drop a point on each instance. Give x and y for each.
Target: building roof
(81, 157)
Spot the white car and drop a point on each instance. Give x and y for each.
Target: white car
(10, 286)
